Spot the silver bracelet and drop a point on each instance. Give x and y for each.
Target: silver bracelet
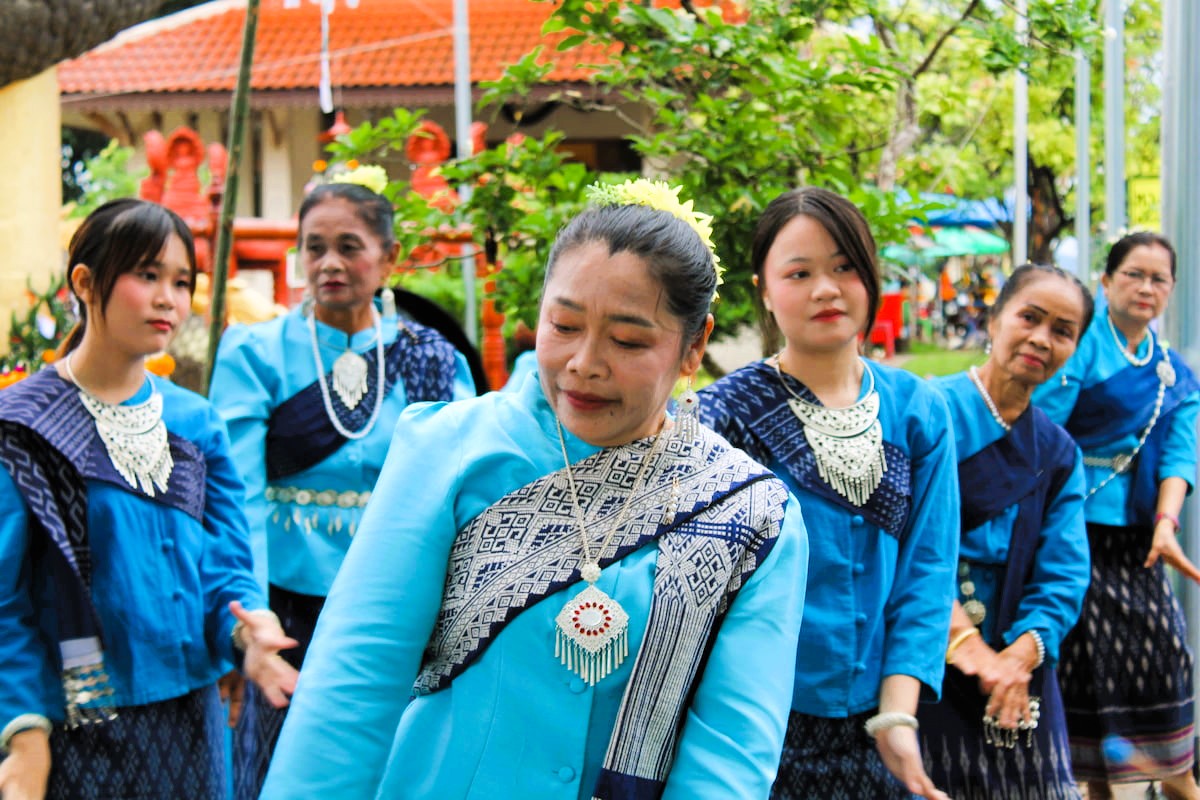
(889, 719)
(1041, 647)
(20, 724)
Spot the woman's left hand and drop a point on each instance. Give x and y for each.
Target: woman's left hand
(263, 638)
(901, 754)
(1166, 546)
(1008, 686)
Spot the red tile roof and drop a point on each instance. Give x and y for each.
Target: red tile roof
(381, 43)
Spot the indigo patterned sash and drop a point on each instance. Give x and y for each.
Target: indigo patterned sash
(1029, 467)
(526, 547)
(1122, 406)
(299, 433)
(750, 408)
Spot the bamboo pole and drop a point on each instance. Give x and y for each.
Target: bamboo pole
(237, 127)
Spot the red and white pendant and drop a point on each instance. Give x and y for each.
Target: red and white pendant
(592, 636)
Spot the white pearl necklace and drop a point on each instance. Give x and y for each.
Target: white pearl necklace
(1130, 357)
(987, 398)
(379, 382)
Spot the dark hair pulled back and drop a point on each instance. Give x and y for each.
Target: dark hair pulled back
(677, 258)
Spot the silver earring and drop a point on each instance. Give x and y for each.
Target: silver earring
(688, 416)
(387, 299)
(987, 348)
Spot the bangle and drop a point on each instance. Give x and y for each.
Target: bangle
(889, 719)
(1041, 647)
(1161, 515)
(958, 640)
(20, 724)
(239, 628)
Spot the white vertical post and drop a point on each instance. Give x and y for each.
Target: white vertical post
(1083, 167)
(1181, 210)
(1114, 117)
(1021, 147)
(462, 133)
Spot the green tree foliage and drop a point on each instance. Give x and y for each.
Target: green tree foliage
(106, 176)
(518, 194)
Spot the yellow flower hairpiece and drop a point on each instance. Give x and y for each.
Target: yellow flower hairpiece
(368, 176)
(662, 196)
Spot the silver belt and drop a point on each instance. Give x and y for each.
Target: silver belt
(1118, 463)
(314, 497)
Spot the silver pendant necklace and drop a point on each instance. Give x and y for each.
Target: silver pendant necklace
(1130, 357)
(592, 630)
(973, 372)
(134, 436)
(350, 379)
(846, 442)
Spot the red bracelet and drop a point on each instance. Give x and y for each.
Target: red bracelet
(1161, 515)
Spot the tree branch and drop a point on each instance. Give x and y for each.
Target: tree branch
(946, 34)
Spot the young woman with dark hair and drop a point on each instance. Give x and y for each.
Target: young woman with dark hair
(125, 567)
(869, 452)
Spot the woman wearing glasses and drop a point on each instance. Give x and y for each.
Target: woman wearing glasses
(1131, 405)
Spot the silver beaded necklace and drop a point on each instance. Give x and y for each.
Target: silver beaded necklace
(1130, 357)
(846, 442)
(987, 398)
(134, 436)
(350, 379)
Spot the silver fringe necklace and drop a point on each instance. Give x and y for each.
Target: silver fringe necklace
(846, 442)
(592, 630)
(134, 436)
(350, 379)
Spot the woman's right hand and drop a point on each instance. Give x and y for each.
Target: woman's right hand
(26, 770)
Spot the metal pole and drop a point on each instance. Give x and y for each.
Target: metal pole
(462, 132)
(237, 126)
(1114, 117)
(1083, 167)
(1021, 147)
(1181, 209)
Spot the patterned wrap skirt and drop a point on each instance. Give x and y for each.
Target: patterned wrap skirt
(833, 759)
(161, 751)
(1126, 669)
(260, 723)
(963, 764)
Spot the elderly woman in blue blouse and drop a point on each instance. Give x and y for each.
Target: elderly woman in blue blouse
(1131, 404)
(999, 730)
(558, 592)
(125, 571)
(869, 451)
(311, 399)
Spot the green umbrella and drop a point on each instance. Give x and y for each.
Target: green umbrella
(969, 241)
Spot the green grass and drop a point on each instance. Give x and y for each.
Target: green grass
(927, 360)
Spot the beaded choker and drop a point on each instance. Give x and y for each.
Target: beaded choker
(134, 436)
(846, 442)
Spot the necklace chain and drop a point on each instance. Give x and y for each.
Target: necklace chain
(325, 394)
(590, 563)
(987, 398)
(1130, 357)
(1166, 377)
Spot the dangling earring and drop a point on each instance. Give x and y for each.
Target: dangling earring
(387, 301)
(688, 417)
(987, 348)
